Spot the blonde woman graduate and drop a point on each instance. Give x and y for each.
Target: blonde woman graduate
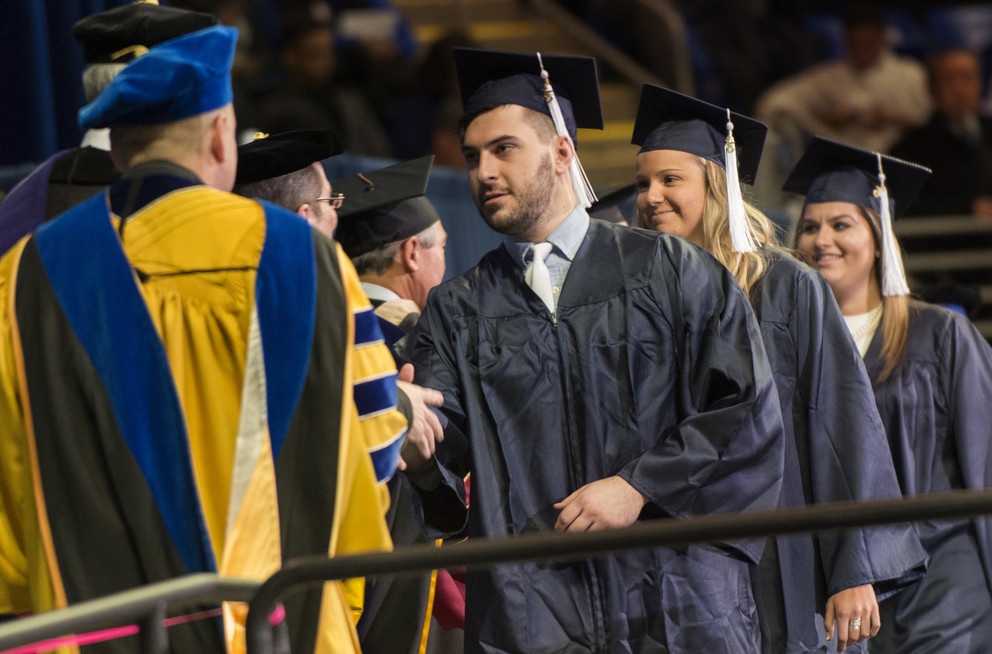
(809, 589)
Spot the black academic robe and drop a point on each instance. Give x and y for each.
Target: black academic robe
(836, 450)
(938, 416)
(63, 181)
(653, 369)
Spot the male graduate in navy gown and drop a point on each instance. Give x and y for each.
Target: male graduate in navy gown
(593, 376)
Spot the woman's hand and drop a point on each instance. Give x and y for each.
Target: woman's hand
(856, 612)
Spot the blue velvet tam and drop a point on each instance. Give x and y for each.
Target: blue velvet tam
(667, 120)
(384, 206)
(832, 172)
(488, 78)
(183, 77)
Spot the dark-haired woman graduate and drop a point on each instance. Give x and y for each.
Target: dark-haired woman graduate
(932, 375)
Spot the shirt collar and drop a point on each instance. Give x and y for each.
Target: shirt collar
(376, 292)
(566, 238)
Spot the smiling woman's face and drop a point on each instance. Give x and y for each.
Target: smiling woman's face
(671, 191)
(840, 243)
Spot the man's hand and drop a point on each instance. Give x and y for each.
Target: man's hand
(856, 613)
(609, 503)
(425, 428)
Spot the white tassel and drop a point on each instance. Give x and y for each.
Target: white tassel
(893, 276)
(584, 193)
(742, 238)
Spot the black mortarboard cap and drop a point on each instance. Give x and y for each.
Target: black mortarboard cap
(120, 34)
(384, 206)
(488, 78)
(610, 207)
(280, 154)
(667, 120)
(832, 172)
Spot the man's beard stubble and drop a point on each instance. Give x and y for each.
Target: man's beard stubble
(532, 202)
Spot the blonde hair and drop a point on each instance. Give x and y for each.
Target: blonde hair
(746, 267)
(895, 308)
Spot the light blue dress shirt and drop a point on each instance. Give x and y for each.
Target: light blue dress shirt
(566, 240)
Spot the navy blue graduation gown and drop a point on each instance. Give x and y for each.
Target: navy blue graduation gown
(937, 411)
(652, 369)
(836, 450)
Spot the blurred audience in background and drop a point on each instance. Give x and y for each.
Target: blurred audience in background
(956, 143)
(869, 98)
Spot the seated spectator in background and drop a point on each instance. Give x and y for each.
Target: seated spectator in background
(110, 40)
(311, 96)
(286, 170)
(957, 141)
(868, 99)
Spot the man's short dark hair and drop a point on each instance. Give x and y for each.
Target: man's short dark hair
(540, 123)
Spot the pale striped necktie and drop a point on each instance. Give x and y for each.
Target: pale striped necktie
(537, 275)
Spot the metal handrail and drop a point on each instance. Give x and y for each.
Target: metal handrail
(547, 546)
(147, 606)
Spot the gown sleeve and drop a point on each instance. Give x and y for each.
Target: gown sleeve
(13, 573)
(25, 584)
(848, 457)
(725, 453)
(440, 496)
(967, 368)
